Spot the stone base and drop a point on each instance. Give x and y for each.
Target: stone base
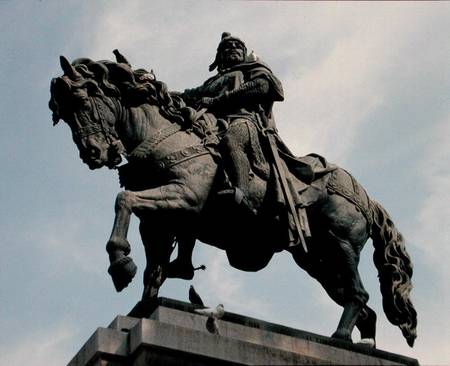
(175, 335)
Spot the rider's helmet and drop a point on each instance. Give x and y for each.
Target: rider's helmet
(226, 37)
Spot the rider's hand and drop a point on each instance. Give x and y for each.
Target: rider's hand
(208, 102)
(213, 102)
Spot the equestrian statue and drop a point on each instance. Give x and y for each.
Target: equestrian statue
(208, 164)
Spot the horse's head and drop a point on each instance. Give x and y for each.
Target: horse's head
(91, 96)
(79, 98)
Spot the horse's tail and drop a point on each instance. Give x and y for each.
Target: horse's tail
(395, 271)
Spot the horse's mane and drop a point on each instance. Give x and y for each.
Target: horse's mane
(133, 87)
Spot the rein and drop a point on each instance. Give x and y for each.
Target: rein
(142, 151)
(87, 131)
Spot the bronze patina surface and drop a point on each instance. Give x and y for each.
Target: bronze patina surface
(208, 164)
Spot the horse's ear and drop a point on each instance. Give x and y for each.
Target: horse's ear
(121, 59)
(69, 70)
(93, 88)
(55, 119)
(55, 89)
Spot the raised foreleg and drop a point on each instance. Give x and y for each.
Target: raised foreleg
(122, 268)
(174, 197)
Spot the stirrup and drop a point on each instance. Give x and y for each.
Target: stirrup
(237, 193)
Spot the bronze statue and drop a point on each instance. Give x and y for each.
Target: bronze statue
(243, 88)
(175, 176)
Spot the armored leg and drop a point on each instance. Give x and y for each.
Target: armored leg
(235, 157)
(234, 146)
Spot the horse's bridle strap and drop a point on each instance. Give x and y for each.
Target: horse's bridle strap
(87, 131)
(145, 148)
(99, 124)
(180, 156)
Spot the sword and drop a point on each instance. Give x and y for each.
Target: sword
(269, 133)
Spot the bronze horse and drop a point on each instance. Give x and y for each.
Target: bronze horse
(113, 110)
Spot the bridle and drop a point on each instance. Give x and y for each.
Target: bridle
(98, 124)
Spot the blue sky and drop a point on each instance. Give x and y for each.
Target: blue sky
(366, 85)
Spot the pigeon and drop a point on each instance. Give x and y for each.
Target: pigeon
(212, 326)
(195, 298)
(215, 313)
(368, 342)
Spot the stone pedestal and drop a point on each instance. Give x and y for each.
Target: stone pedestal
(175, 335)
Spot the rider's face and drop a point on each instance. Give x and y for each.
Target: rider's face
(232, 53)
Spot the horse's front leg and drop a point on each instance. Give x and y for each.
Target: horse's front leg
(122, 268)
(174, 197)
(157, 238)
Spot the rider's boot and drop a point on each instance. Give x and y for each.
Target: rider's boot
(181, 267)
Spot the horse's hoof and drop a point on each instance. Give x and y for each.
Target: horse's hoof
(122, 272)
(342, 334)
(367, 342)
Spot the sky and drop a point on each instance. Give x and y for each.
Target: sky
(366, 85)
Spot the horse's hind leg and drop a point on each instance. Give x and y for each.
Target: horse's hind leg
(157, 240)
(366, 325)
(340, 279)
(354, 296)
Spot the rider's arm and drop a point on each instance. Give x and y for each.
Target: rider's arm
(252, 90)
(192, 96)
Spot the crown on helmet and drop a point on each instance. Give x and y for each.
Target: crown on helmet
(226, 37)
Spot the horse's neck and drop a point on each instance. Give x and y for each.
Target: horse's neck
(138, 124)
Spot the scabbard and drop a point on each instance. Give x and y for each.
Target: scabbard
(269, 133)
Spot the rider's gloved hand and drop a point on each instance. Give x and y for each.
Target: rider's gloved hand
(208, 102)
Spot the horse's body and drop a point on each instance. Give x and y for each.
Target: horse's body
(178, 201)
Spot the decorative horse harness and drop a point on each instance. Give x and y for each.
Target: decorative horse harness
(205, 124)
(144, 149)
(99, 125)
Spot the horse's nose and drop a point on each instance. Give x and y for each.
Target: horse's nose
(90, 151)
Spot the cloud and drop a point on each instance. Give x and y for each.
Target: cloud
(432, 233)
(48, 347)
(329, 99)
(70, 238)
(339, 64)
(223, 284)
(67, 246)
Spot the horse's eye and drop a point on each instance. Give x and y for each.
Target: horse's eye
(82, 101)
(85, 103)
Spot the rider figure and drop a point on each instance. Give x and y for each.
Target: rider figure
(243, 88)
